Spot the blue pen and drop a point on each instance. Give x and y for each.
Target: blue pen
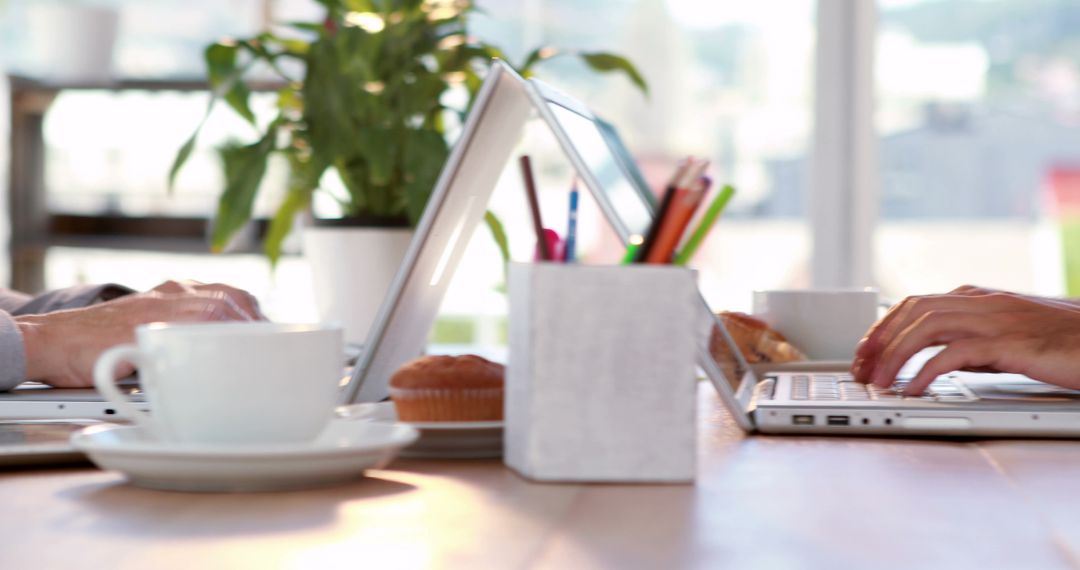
(571, 226)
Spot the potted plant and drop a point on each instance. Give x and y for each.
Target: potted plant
(363, 100)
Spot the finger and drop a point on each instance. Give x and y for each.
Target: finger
(965, 353)
(867, 348)
(246, 301)
(972, 290)
(866, 352)
(932, 329)
(221, 307)
(202, 307)
(169, 287)
(912, 308)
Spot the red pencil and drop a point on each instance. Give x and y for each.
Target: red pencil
(534, 207)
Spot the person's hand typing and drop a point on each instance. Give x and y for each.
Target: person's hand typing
(62, 347)
(980, 330)
(246, 302)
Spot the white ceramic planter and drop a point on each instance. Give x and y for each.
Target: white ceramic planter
(351, 269)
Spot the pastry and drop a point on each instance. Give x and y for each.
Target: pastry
(757, 343)
(448, 388)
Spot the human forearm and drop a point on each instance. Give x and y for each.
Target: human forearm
(61, 347)
(37, 359)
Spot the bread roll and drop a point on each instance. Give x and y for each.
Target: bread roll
(755, 341)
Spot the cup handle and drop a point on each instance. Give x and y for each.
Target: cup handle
(105, 382)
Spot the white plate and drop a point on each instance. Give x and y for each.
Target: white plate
(341, 453)
(438, 440)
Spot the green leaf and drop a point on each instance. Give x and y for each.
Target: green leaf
(354, 176)
(307, 27)
(424, 155)
(281, 224)
(295, 47)
(361, 5)
(499, 234)
(377, 147)
(224, 76)
(536, 56)
(473, 82)
(302, 184)
(257, 47)
(220, 62)
(607, 62)
(182, 155)
(244, 167)
(326, 102)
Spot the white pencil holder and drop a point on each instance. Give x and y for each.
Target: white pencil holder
(601, 374)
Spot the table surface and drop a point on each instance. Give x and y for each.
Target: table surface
(759, 502)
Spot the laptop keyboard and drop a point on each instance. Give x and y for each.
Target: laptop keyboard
(843, 387)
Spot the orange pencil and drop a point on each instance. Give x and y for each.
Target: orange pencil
(684, 203)
(642, 251)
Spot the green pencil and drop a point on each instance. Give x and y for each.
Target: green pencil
(631, 249)
(706, 224)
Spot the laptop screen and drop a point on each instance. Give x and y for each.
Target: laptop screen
(597, 153)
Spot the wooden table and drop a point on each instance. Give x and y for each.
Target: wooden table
(760, 502)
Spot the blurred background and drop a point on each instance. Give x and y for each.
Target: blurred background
(975, 117)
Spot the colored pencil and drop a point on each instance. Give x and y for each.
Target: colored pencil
(705, 225)
(631, 249)
(665, 203)
(678, 217)
(534, 207)
(571, 225)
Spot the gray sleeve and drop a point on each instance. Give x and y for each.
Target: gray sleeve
(12, 362)
(71, 298)
(12, 355)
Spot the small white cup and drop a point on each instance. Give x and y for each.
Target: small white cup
(826, 324)
(230, 383)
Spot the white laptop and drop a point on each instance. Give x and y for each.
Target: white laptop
(791, 401)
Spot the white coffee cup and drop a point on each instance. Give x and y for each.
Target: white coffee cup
(230, 383)
(826, 324)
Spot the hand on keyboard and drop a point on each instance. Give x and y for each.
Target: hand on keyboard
(980, 330)
(826, 387)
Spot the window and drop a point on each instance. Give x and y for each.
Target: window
(728, 81)
(978, 113)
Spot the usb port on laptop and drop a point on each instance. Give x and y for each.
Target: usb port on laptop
(802, 420)
(838, 420)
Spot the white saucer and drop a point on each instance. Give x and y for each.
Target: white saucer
(340, 453)
(438, 440)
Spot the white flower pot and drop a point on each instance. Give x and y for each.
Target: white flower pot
(351, 269)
